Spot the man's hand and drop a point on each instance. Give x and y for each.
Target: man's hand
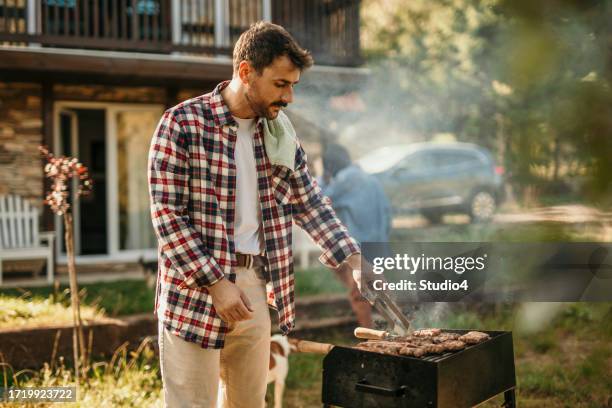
(230, 302)
(362, 271)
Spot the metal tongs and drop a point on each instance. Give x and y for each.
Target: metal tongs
(383, 304)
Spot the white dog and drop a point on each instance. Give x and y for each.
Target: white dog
(280, 347)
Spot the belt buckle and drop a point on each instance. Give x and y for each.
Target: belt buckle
(249, 261)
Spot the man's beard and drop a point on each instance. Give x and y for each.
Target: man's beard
(260, 108)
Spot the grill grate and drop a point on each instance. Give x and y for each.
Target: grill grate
(435, 358)
(460, 379)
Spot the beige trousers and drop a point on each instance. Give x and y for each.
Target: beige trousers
(191, 374)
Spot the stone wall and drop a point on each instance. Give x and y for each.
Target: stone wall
(21, 130)
(185, 94)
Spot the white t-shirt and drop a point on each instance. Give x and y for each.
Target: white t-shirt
(247, 224)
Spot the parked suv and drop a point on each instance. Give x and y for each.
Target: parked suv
(438, 178)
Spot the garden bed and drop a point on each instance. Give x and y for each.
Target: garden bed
(31, 347)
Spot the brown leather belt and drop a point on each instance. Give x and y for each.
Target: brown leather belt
(251, 261)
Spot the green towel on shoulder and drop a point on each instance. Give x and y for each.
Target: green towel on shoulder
(280, 141)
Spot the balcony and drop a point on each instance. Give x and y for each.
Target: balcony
(329, 28)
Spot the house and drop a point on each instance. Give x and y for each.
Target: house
(91, 78)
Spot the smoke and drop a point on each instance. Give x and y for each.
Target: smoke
(536, 316)
(428, 314)
(349, 110)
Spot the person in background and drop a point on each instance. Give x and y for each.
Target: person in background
(362, 206)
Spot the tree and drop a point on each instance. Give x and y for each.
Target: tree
(529, 80)
(62, 171)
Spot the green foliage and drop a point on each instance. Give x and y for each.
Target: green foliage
(528, 80)
(317, 280)
(305, 370)
(544, 343)
(427, 77)
(113, 298)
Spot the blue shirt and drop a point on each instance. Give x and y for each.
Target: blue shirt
(361, 204)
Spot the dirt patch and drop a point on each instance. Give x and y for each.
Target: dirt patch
(32, 347)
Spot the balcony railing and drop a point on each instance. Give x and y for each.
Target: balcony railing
(329, 28)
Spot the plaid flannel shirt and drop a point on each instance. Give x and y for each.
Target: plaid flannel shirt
(192, 183)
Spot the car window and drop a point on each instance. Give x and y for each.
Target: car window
(415, 162)
(383, 158)
(445, 158)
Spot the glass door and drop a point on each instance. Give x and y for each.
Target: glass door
(82, 135)
(133, 128)
(112, 139)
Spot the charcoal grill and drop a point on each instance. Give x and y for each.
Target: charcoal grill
(354, 378)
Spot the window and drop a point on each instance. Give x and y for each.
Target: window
(447, 158)
(416, 162)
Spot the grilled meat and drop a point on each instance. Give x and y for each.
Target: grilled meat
(453, 345)
(442, 337)
(474, 337)
(423, 342)
(381, 346)
(426, 332)
(413, 351)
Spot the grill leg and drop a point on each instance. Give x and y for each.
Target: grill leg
(510, 399)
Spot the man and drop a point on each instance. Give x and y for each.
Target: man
(362, 206)
(226, 180)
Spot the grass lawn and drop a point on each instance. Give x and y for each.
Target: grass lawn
(133, 380)
(566, 363)
(127, 297)
(111, 298)
(563, 351)
(125, 381)
(563, 355)
(16, 312)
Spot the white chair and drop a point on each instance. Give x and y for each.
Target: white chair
(19, 235)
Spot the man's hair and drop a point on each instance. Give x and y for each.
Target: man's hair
(335, 158)
(263, 42)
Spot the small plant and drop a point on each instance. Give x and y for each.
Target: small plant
(63, 170)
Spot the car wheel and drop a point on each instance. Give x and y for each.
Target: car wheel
(482, 206)
(434, 217)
